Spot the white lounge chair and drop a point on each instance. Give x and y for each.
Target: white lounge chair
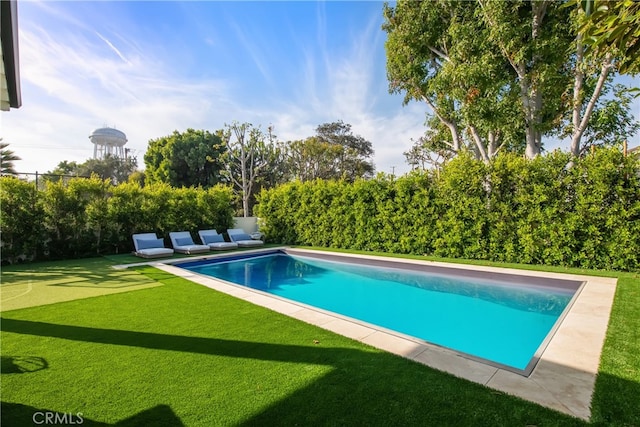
(182, 242)
(149, 246)
(243, 240)
(215, 241)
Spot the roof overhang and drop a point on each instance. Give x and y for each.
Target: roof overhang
(10, 96)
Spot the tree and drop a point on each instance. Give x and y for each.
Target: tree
(534, 38)
(245, 156)
(65, 167)
(497, 73)
(604, 42)
(278, 168)
(187, 159)
(7, 157)
(353, 151)
(581, 110)
(312, 158)
(417, 51)
(333, 153)
(113, 168)
(431, 149)
(439, 53)
(610, 121)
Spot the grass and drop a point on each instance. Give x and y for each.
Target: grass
(30, 285)
(616, 400)
(182, 354)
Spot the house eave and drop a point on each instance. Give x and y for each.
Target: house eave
(9, 38)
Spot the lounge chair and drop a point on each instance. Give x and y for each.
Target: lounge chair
(149, 246)
(215, 241)
(243, 240)
(182, 242)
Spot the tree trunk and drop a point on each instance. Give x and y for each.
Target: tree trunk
(245, 189)
(580, 123)
(533, 92)
(578, 96)
(493, 147)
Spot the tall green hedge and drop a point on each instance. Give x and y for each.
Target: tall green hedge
(86, 217)
(541, 211)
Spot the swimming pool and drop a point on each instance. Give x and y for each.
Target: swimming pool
(502, 319)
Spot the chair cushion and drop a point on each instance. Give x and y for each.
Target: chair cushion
(184, 241)
(241, 236)
(212, 238)
(149, 243)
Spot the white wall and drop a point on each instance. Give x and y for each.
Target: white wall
(249, 224)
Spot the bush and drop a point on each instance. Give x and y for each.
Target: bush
(88, 217)
(20, 220)
(73, 217)
(539, 211)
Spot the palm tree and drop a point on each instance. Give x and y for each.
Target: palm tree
(7, 157)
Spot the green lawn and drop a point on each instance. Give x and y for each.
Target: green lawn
(182, 354)
(30, 285)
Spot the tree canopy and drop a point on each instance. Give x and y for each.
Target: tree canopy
(349, 154)
(115, 169)
(614, 25)
(500, 76)
(246, 154)
(333, 153)
(65, 167)
(187, 159)
(441, 53)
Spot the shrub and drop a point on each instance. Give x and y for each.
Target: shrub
(20, 220)
(540, 211)
(87, 217)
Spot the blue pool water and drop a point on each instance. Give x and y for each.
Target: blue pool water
(496, 321)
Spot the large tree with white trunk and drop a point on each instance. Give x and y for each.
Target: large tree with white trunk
(497, 75)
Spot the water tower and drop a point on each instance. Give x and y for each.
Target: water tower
(108, 142)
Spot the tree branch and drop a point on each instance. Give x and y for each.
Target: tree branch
(440, 53)
(604, 71)
(453, 127)
(479, 144)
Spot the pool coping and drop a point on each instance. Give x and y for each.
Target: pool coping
(563, 378)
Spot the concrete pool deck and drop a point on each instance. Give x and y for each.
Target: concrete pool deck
(563, 378)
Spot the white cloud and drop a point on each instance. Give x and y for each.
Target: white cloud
(115, 49)
(70, 87)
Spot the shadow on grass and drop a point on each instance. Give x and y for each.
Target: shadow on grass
(211, 346)
(616, 401)
(94, 270)
(105, 284)
(161, 415)
(364, 387)
(94, 273)
(22, 364)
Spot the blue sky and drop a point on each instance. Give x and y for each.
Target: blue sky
(149, 68)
